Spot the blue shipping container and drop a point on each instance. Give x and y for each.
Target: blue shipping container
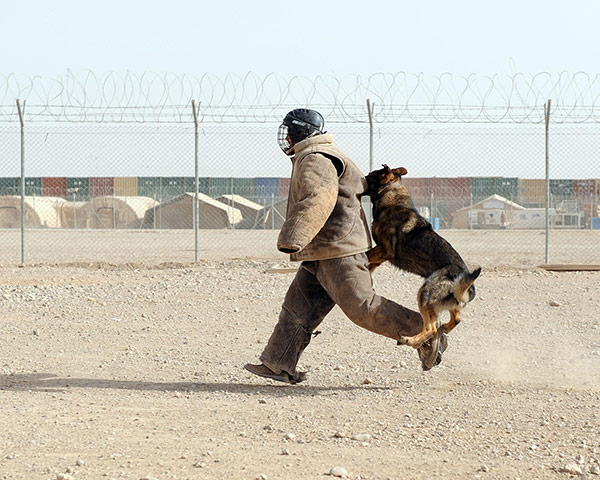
(267, 187)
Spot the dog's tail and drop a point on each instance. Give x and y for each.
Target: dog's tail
(464, 290)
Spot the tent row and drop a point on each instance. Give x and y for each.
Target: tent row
(110, 212)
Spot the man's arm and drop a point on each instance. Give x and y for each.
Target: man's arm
(316, 200)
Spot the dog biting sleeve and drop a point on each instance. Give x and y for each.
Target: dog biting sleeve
(316, 184)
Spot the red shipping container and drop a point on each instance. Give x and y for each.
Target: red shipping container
(456, 187)
(54, 187)
(442, 194)
(101, 186)
(583, 188)
(419, 188)
(455, 192)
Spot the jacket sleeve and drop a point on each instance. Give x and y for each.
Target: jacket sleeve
(317, 196)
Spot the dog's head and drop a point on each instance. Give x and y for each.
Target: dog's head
(383, 177)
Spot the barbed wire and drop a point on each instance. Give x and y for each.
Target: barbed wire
(402, 97)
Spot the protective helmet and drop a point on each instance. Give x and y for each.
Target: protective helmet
(298, 125)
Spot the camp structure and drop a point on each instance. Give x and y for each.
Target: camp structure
(118, 211)
(493, 212)
(40, 212)
(251, 211)
(178, 212)
(74, 215)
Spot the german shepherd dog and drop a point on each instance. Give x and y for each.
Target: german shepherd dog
(407, 241)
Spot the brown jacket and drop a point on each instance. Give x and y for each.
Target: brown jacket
(324, 218)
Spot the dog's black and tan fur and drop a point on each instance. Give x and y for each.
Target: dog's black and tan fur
(408, 241)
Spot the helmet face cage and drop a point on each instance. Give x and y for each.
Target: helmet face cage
(298, 125)
(283, 139)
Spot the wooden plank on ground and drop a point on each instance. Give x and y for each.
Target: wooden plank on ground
(565, 267)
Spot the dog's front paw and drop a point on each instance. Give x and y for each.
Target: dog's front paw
(416, 341)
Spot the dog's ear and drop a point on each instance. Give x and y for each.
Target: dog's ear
(386, 169)
(400, 171)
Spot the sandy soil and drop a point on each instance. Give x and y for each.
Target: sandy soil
(134, 370)
(496, 248)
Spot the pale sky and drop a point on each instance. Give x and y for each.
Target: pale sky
(41, 37)
(349, 37)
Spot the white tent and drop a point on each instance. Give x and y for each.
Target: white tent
(178, 213)
(40, 212)
(118, 212)
(74, 215)
(251, 211)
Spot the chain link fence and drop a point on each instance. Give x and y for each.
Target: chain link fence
(111, 188)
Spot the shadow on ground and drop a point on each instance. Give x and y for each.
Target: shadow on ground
(47, 382)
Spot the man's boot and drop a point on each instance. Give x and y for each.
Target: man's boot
(263, 371)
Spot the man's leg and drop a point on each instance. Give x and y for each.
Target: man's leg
(305, 306)
(349, 284)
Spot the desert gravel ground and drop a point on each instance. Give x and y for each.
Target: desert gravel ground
(134, 371)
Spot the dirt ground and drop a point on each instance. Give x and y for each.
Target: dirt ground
(134, 370)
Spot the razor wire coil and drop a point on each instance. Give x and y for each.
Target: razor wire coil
(127, 97)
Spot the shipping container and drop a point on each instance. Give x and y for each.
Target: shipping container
(454, 187)
(484, 187)
(246, 187)
(597, 189)
(268, 188)
(561, 188)
(78, 188)
(101, 187)
(190, 184)
(452, 194)
(125, 186)
(440, 195)
(54, 187)
(149, 187)
(419, 188)
(33, 186)
(531, 192)
(583, 189)
(218, 186)
(10, 186)
(171, 187)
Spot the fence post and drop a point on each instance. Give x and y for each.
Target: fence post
(370, 113)
(591, 208)
(196, 181)
(272, 211)
(471, 209)
(22, 179)
(547, 120)
(232, 204)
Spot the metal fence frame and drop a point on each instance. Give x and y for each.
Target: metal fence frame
(384, 110)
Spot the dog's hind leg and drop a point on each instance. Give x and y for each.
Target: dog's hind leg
(376, 257)
(454, 321)
(429, 328)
